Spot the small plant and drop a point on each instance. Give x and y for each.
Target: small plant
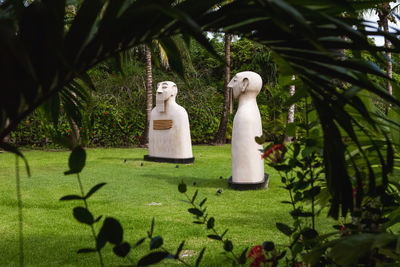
(199, 211)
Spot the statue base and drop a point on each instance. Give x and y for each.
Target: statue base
(169, 160)
(256, 186)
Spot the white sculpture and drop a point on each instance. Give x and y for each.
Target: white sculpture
(247, 164)
(169, 133)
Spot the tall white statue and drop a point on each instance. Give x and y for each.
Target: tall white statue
(169, 133)
(247, 164)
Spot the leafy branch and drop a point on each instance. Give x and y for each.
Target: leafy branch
(202, 218)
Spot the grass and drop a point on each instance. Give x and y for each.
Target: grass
(52, 236)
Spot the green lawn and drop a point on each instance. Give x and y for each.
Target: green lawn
(52, 236)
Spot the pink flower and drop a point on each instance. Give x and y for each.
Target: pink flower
(94, 133)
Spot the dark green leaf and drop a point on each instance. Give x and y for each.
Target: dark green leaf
(224, 233)
(296, 150)
(268, 246)
(210, 223)
(281, 255)
(282, 167)
(216, 237)
(77, 160)
(151, 228)
(81, 27)
(260, 139)
(182, 187)
(86, 250)
(194, 196)
(178, 251)
(94, 189)
(285, 229)
(112, 231)
(173, 53)
(122, 250)
(309, 233)
(140, 241)
(200, 257)
(153, 258)
(98, 218)
(196, 211)
(83, 215)
(156, 242)
(243, 256)
(228, 246)
(203, 201)
(71, 197)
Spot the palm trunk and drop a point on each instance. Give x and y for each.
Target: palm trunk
(144, 140)
(220, 137)
(76, 132)
(384, 13)
(292, 90)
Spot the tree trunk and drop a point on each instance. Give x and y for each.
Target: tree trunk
(384, 13)
(292, 90)
(220, 137)
(76, 132)
(144, 140)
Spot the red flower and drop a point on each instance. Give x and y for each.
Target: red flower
(257, 256)
(278, 151)
(139, 136)
(112, 74)
(94, 133)
(69, 131)
(105, 113)
(27, 123)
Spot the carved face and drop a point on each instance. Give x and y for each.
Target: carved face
(238, 85)
(165, 91)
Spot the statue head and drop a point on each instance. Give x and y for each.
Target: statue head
(165, 91)
(246, 82)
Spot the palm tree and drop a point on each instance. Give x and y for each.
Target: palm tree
(220, 137)
(386, 13)
(149, 96)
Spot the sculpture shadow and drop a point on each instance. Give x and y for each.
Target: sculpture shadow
(200, 181)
